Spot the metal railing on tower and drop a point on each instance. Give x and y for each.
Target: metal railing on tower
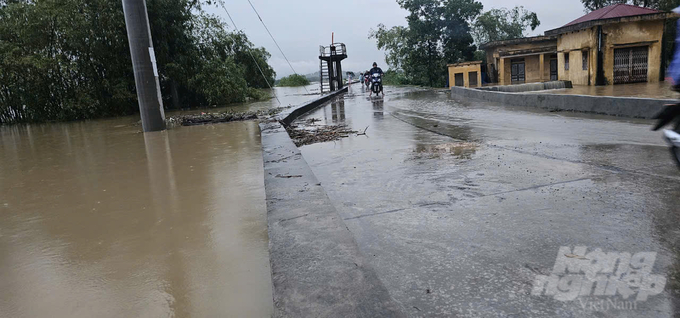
(330, 66)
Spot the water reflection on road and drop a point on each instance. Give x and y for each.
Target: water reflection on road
(460, 204)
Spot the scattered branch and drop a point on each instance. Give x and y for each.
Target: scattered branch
(363, 133)
(222, 117)
(302, 136)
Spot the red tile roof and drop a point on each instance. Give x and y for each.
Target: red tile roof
(613, 11)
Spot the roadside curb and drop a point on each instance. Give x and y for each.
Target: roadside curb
(316, 266)
(614, 106)
(287, 117)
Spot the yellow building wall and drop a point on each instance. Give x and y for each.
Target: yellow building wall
(532, 69)
(629, 33)
(546, 67)
(615, 35)
(465, 69)
(505, 73)
(575, 43)
(562, 74)
(493, 65)
(503, 68)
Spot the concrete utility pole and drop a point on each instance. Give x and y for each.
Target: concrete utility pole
(144, 65)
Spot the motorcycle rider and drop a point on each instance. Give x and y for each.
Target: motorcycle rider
(674, 68)
(376, 70)
(672, 112)
(367, 76)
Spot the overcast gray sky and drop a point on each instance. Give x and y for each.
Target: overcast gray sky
(300, 26)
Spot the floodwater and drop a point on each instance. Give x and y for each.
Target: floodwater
(660, 90)
(100, 220)
(459, 205)
(281, 96)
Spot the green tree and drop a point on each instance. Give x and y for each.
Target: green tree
(592, 5)
(293, 80)
(70, 59)
(438, 33)
(504, 24)
(393, 77)
(61, 60)
(480, 56)
(663, 5)
(227, 69)
(393, 41)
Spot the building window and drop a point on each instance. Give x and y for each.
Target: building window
(472, 79)
(566, 61)
(459, 79)
(584, 62)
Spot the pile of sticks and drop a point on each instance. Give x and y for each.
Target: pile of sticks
(221, 117)
(211, 118)
(308, 136)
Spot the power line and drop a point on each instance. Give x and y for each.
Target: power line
(251, 53)
(277, 44)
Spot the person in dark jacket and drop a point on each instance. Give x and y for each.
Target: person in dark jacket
(674, 69)
(376, 70)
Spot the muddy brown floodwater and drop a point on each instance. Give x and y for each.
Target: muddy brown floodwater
(99, 220)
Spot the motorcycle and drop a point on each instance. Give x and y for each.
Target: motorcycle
(667, 115)
(376, 83)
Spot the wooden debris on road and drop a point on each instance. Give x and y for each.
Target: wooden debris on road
(222, 117)
(316, 134)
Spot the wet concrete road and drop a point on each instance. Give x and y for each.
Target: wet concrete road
(659, 90)
(460, 205)
(99, 220)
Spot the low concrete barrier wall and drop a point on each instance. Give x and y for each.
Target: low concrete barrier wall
(287, 117)
(317, 268)
(613, 106)
(529, 87)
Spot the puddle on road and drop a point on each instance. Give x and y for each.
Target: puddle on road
(97, 220)
(458, 150)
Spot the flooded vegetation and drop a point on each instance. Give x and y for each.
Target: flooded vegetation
(204, 118)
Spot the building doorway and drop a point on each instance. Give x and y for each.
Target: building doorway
(553, 69)
(517, 71)
(630, 65)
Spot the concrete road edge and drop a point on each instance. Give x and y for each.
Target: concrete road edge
(316, 266)
(605, 105)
